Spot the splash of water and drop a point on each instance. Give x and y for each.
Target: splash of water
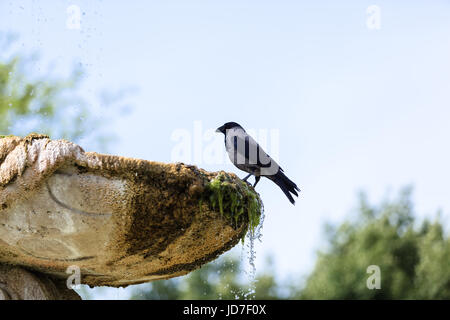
(251, 254)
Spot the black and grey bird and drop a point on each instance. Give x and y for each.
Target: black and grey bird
(247, 155)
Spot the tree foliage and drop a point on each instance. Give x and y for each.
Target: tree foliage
(31, 102)
(414, 261)
(221, 279)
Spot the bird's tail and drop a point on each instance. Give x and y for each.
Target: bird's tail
(287, 185)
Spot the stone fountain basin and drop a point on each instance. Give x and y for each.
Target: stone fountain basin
(120, 221)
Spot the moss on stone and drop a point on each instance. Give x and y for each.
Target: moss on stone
(236, 201)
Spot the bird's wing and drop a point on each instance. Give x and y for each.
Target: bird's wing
(245, 151)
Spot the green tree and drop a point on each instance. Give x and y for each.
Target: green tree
(45, 104)
(220, 279)
(414, 262)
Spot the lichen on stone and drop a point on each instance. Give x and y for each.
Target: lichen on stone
(236, 200)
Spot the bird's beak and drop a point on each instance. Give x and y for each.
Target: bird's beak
(220, 129)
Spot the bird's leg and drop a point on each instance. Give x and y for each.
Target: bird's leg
(245, 179)
(256, 180)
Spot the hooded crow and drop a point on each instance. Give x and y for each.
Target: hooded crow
(247, 155)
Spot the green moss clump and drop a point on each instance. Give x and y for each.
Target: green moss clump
(235, 201)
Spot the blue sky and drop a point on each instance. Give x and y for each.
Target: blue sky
(355, 108)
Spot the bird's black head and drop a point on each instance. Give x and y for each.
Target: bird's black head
(227, 126)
